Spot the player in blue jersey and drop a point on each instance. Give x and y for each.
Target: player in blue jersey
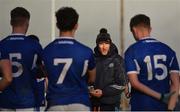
(23, 53)
(152, 69)
(67, 62)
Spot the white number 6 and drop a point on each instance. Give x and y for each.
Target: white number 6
(16, 63)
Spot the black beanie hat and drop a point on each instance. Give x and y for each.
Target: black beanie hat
(103, 36)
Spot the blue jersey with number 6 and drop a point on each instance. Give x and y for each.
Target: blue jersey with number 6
(67, 61)
(23, 52)
(153, 62)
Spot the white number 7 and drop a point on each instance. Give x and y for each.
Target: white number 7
(67, 62)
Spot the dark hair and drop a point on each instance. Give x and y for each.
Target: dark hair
(34, 37)
(19, 15)
(141, 20)
(103, 36)
(67, 18)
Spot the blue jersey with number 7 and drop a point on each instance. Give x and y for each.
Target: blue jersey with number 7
(153, 62)
(67, 61)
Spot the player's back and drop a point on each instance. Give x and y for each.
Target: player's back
(22, 52)
(66, 61)
(153, 61)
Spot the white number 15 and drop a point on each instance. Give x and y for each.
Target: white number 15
(157, 65)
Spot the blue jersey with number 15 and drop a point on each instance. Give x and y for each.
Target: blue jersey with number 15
(67, 61)
(153, 62)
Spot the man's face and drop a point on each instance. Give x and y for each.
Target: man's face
(104, 47)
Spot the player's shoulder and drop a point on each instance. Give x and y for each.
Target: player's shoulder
(49, 45)
(5, 39)
(131, 48)
(32, 42)
(167, 46)
(83, 46)
(4, 42)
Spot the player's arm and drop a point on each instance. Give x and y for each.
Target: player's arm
(91, 72)
(91, 80)
(91, 69)
(91, 76)
(41, 71)
(6, 69)
(136, 84)
(174, 76)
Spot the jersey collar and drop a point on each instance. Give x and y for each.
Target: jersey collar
(18, 34)
(65, 37)
(144, 38)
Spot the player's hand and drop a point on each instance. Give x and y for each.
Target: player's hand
(128, 95)
(127, 92)
(165, 97)
(96, 93)
(90, 88)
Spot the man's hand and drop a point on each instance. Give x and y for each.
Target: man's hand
(165, 97)
(96, 93)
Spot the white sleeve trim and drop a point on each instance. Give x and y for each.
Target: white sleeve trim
(174, 71)
(41, 79)
(171, 61)
(132, 72)
(137, 65)
(118, 87)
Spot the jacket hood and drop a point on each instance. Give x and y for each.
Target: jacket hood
(112, 51)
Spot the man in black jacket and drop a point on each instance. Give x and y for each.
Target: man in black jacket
(110, 74)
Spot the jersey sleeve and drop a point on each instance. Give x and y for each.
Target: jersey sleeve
(37, 57)
(41, 71)
(91, 63)
(174, 66)
(39, 51)
(131, 64)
